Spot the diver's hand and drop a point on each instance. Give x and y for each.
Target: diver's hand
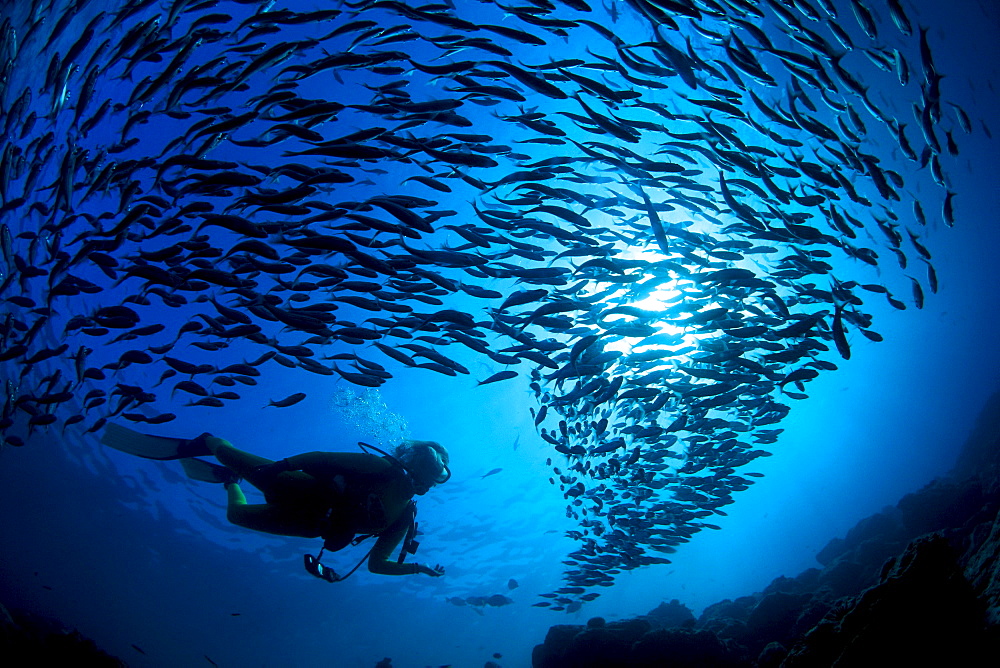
(435, 572)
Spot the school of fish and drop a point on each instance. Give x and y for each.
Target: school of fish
(640, 223)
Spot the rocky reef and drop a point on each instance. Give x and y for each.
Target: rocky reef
(28, 640)
(915, 584)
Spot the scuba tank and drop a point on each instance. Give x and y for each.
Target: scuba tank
(313, 564)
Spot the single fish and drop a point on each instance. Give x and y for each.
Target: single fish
(290, 400)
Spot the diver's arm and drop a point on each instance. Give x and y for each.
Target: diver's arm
(380, 561)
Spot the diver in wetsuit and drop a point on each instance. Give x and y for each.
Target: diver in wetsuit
(337, 495)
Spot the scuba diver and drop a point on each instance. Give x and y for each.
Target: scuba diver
(341, 497)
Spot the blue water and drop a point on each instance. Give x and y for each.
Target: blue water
(141, 559)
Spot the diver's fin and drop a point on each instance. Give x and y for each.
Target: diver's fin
(199, 469)
(151, 447)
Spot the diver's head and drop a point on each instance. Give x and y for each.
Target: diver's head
(425, 461)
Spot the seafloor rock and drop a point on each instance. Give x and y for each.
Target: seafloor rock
(591, 646)
(29, 641)
(983, 567)
(773, 618)
(845, 577)
(940, 505)
(877, 537)
(726, 609)
(832, 550)
(681, 648)
(635, 644)
(557, 641)
(923, 612)
(807, 580)
(818, 607)
(727, 619)
(980, 452)
(772, 655)
(784, 585)
(668, 615)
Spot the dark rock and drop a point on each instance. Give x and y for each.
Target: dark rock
(923, 613)
(727, 609)
(557, 641)
(8, 627)
(681, 648)
(772, 655)
(872, 553)
(983, 570)
(589, 647)
(630, 629)
(782, 584)
(773, 618)
(728, 629)
(594, 648)
(808, 580)
(832, 550)
(819, 647)
(845, 578)
(812, 613)
(980, 452)
(940, 505)
(595, 622)
(27, 640)
(880, 525)
(668, 615)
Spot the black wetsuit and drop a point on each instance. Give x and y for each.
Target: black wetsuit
(336, 495)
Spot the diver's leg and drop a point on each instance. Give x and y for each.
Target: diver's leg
(236, 498)
(245, 465)
(268, 518)
(242, 463)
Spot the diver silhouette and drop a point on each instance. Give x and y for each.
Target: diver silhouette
(341, 497)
